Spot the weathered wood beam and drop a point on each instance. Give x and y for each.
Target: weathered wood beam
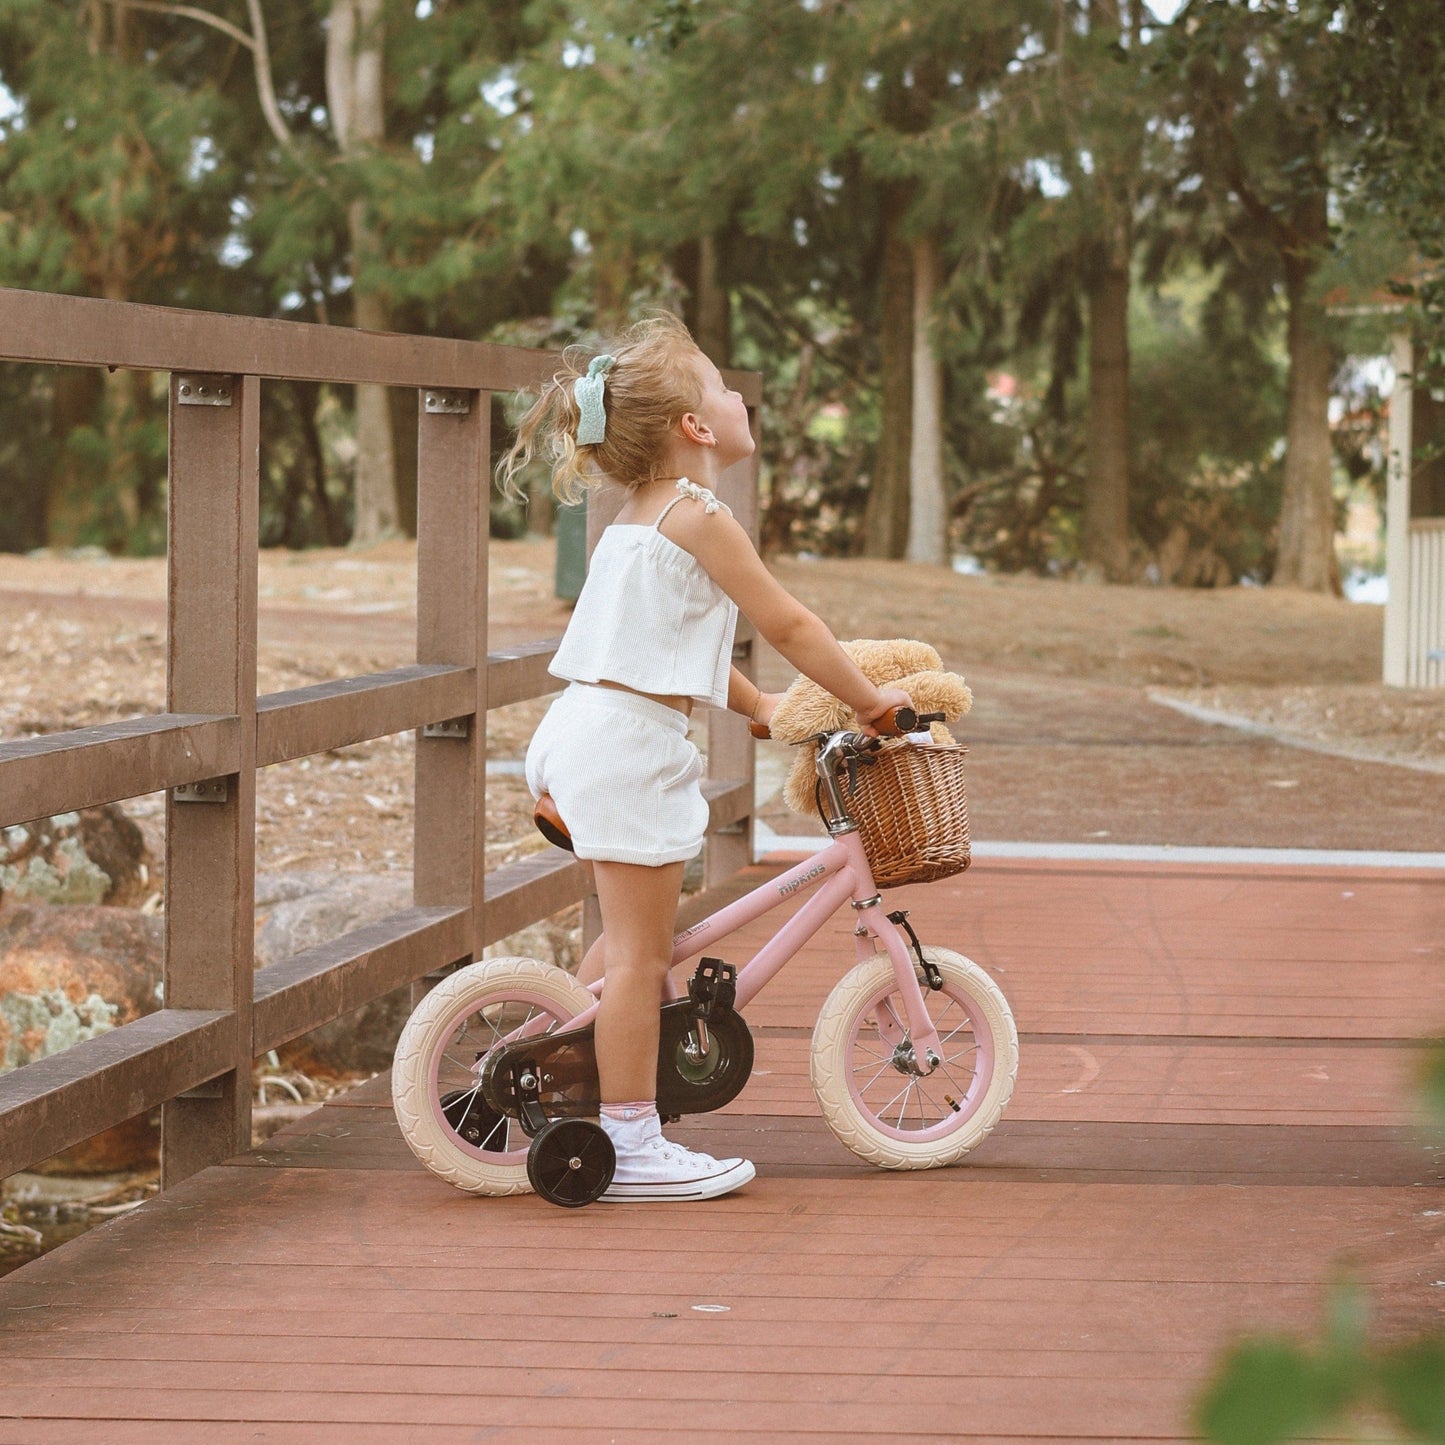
(334, 714)
(84, 331)
(323, 983)
(532, 888)
(48, 1105)
(80, 330)
(62, 772)
(728, 801)
(517, 673)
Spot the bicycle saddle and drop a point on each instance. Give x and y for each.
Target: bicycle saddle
(549, 823)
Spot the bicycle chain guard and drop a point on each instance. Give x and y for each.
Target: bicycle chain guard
(704, 1059)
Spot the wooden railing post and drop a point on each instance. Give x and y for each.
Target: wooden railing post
(210, 825)
(453, 514)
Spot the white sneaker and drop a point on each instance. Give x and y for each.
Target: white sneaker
(650, 1167)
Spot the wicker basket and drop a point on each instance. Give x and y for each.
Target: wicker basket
(911, 811)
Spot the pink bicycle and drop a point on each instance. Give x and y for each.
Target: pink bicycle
(914, 1053)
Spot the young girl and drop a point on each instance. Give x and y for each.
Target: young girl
(651, 636)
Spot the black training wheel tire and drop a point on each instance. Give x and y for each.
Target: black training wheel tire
(571, 1162)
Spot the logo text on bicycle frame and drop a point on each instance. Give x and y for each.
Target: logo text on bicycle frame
(786, 888)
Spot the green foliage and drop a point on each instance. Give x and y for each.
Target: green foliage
(552, 168)
(1433, 1084)
(1388, 101)
(1206, 397)
(1276, 1389)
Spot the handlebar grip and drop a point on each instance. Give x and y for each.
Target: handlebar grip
(898, 720)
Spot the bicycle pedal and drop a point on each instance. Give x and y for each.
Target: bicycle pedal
(713, 986)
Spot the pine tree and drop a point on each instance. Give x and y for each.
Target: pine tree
(113, 189)
(1253, 94)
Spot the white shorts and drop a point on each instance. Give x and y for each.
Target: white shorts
(623, 775)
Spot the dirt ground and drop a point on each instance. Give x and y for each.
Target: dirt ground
(1070, 736)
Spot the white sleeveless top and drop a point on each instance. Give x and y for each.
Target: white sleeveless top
(649, 616)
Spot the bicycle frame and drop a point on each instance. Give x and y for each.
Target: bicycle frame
(838, 871)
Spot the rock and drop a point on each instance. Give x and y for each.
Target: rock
(361, 1042)
(68, 974)
(553, 940)
(274, 888)
(95, 856)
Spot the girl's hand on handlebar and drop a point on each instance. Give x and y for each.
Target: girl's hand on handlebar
(760, 724)
(875, 720)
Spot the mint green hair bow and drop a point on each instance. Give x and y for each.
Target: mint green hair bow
(592, 427)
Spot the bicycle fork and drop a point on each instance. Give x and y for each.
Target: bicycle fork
(912, 1038)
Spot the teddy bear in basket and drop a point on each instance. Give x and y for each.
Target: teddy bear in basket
(806, 709)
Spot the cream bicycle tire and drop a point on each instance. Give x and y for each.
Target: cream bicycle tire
(850, 1060)
(494, 985)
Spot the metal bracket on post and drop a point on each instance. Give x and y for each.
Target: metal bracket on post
(209, 790)
(440, 401)
(457, 727)
(205, 390)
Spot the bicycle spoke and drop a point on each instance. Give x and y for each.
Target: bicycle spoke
(903, 1108)
(875, 1077)
(457, 1063)
(955, 1032)
(861, 1048)
(973, 1073)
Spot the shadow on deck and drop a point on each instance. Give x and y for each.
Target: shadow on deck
(1213, 1110)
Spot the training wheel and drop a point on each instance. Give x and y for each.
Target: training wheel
(571, 1162)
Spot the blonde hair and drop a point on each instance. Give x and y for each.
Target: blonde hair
(653, 385)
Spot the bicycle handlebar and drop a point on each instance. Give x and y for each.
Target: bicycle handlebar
(894, 723)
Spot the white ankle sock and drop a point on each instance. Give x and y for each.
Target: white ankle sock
(634, 1109)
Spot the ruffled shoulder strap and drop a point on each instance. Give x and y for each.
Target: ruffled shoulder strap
(704, 495)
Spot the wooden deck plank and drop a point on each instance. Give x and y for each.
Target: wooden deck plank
(1202, 1129)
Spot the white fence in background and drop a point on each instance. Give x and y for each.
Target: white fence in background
(1425, 604)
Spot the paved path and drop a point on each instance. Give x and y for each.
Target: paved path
(1069, 760)
(1212, 1113)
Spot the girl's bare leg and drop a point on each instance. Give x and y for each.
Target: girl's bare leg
(594, 961)
(639, 909)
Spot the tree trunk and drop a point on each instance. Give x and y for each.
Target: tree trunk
(1105, 525)
(74, 402)
(405, 407)
(354, 96)
(1306, 557)
(927, 509)
(308, 406)
(885, 518)
(714, 323)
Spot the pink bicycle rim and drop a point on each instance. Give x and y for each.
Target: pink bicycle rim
(982, 1065)
(511, 1156)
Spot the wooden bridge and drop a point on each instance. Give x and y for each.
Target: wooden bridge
(1213, 1111)
(1212, 1117)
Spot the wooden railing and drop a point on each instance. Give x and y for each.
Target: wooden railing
(193, 1056)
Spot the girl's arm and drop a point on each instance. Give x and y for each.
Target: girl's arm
(746, 697)
(730, 559)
